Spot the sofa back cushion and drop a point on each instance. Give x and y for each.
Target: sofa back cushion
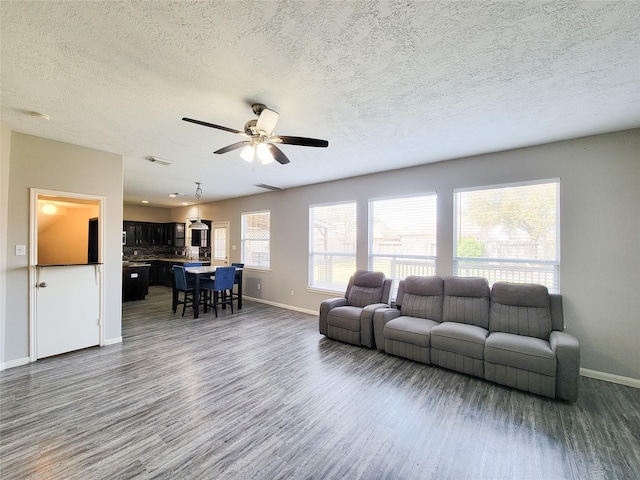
(466, 300)
(519, 308)
(365, 288)
(421, 297)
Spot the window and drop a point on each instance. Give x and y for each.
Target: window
(402, 236)
(332, 245)
(256, 234)
(509, 233)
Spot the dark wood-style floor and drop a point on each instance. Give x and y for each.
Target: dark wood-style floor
(260, 394)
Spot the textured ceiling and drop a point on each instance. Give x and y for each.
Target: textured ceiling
(388, 84)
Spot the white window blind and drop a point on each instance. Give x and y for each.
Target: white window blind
(332, 245)
(509, 233)
(256, 235)
(402, 236)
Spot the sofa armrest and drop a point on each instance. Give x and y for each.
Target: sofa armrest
(567, 351)
(366, 324)
(380, 318)
(325, 306)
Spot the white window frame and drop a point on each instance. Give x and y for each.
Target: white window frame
(507, 269)
(244, 241)
(416, 264)
(331, 286)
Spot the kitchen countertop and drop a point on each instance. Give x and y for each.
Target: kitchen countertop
(171, 260)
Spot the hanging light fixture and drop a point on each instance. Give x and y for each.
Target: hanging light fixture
(198, 225)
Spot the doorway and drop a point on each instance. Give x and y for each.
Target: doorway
(220, 243)
(65, 271)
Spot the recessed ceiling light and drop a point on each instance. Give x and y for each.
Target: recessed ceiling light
(145, 201)
(177, 194)
(185, 203)
(43, 116)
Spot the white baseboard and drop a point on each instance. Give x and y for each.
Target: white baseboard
(111, 341)
(610, 377)
(14, 363)
(281, 305)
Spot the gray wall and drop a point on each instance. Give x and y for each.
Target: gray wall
(600, 232)
(47, 164)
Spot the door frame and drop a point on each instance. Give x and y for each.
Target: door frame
(33, 259)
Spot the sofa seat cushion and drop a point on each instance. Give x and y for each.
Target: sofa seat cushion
(524, 353)
(468, 340)
(347, 317)
(411, 330)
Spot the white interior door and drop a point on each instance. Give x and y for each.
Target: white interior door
(220, 244)
(67, 308)
(65, 275)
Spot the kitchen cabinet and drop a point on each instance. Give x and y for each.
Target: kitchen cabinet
(147, 233)
(135, 281)
(132, 233)
(175, 234)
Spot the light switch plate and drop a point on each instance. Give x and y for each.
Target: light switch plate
(21, 249)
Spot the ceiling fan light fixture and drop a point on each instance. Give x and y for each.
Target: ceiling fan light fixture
(264, 154)
(248, 153)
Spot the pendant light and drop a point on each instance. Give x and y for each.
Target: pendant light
(198, 225)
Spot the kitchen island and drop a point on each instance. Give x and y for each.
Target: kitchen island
(135, 281)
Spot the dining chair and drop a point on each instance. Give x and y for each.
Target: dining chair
(235, 294)
(183, 285)
(223, 287)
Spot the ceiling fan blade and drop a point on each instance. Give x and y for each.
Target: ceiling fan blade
(303, 141)
(234, 146)
(226, 129)
(267, 121)
(278, 154)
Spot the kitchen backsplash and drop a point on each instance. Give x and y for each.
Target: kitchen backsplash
(161, 251)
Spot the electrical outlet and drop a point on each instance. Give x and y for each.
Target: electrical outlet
(135, 252)
(258, 286)
(291, 292)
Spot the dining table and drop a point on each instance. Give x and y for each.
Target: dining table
(209, 271)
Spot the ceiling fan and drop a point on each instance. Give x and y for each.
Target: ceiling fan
(261, 139)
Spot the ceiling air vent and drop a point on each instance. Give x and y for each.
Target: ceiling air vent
(159, 161)
(268, 187)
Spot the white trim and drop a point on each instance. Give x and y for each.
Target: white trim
(33, 259)
(281, 305)
(18, 362)
(111, 341)
(610, 377)
(496, 186)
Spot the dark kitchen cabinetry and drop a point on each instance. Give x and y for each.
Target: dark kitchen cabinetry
(147, 233)
(135, 282)
(175, 234)
(160, 273)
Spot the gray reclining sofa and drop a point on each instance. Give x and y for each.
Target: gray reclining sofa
(511, 334)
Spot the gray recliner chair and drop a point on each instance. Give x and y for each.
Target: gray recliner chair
(527, 347)
(350, 318)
